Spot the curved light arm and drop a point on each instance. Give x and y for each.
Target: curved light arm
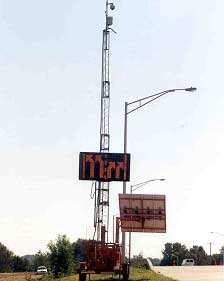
(139, 185)
(151, 98)
(220, 234)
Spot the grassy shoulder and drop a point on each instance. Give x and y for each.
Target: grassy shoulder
(135, 275)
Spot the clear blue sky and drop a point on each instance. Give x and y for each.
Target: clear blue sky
(50, 66)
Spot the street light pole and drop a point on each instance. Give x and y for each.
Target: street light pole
(124, 182)
(210, 252)
(137, 186)
(142, 102)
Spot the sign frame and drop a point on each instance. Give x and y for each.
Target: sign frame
(143, 213)
(105, 167)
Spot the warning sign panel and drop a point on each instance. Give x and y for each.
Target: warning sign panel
(142, 213)
(104, 166)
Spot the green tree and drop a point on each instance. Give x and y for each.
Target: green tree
(139, 261)
(60, 256)
(219, 258)
(216, 259)
(179, 252)
(174, 253)
(79, 250)
(20, 264)
(6, 258)
(41, 259)
(167, 254)
(198, 254)
(222, 250)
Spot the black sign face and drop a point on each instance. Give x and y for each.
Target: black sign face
(104, 166)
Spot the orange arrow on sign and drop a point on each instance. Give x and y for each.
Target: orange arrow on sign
(109, 169)
(92, 164)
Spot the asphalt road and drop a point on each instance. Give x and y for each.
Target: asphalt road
(192, 273)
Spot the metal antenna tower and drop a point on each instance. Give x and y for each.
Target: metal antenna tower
(101, 220)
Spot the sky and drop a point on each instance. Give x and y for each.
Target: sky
(50, 73)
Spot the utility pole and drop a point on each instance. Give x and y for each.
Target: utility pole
(210, 252)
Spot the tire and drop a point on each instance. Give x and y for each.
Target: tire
(82, 277)
(125, 277)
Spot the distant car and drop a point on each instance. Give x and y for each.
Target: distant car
(189, 262)
(41, 269)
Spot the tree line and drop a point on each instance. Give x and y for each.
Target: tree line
(175, 253)
(62, 258)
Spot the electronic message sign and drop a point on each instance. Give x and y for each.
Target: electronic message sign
(104, 166)
(142, 213)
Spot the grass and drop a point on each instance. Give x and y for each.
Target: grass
(135, 275)
(147, 275)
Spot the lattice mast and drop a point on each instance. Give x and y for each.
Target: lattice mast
(101, 220)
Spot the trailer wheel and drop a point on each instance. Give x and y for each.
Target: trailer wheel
(82, 277)
(125, 276)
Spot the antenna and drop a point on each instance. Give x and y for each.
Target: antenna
(101, 217)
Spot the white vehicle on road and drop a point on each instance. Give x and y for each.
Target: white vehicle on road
(189, 262)
(41, 269)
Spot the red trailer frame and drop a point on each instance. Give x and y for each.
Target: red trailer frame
(103, 258)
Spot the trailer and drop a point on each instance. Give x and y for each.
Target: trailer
(103, 258)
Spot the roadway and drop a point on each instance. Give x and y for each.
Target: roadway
(192, 273)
